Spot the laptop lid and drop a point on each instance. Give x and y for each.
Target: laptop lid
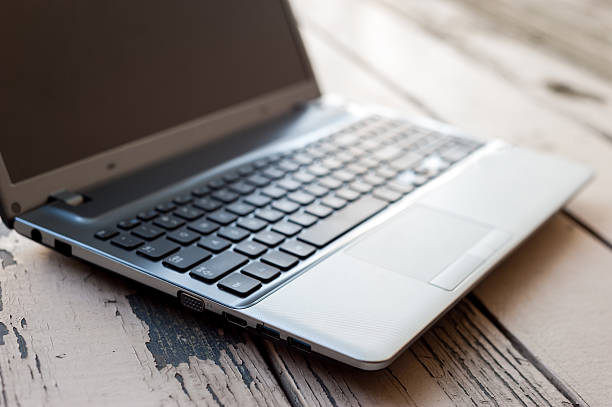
(91, 90)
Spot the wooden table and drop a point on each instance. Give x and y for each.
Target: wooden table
(538, 331)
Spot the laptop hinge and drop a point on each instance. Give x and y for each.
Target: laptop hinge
(68, 197)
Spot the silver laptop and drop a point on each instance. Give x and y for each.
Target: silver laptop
(185, 145)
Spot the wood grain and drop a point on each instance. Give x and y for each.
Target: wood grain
(578, 30)
(471, 362)
(72, 334)
(554, 295)
(463, 91)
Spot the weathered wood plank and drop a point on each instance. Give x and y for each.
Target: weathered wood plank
(462, 360)
(578, 30)
(463, 91)
(552, 80)
(72, 334)
(554, 295)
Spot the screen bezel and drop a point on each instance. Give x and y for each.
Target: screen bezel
(16, 198)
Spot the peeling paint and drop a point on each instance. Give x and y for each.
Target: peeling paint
(3, 331)
(7, 258)
(21, 343)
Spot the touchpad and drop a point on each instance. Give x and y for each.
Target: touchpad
(429, 245)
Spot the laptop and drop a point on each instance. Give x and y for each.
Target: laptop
(185, 145)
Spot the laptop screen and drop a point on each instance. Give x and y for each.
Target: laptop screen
(79, 77)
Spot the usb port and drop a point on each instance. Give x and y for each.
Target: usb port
(235, 320)
(268, 332)
(296, 343)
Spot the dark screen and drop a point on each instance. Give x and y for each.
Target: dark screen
(78, 77)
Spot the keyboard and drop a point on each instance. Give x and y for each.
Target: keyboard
(250, 228)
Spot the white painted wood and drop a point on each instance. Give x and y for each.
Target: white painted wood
(554, 294)
(72, 339)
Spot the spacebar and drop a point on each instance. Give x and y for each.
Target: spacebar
(341, 221)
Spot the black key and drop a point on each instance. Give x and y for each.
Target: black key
(222, 217)
(387, 194)
(257, 180)
(158, 250)
(128, 224)
(301, 197)
(304, 177)
(165, 207)
(273, 173)
(386, 172)
(403, 188)
(286, 228)
(250, 248)
(360, 187)
(207, 204)
(319, 210)
(204, 227)
(342, 221)
(252, 224)
(233, 233)
(269, 238)
(343, 175)
(257, 200)
(373, 179)
(214, 243)
(246, 170)
(239, 284)
(183, 237)
(262, 162)
(285, 205)
(288, 166)
(147, 215)
(127, 242)
(274, 192)
(216, 183)
(261, 271)
(240, 208)
(318, 170)
(303, 159)
(188, 213)
(182, 200)
(201, 191)
(225, 196)
(330, 183)
(333, 202)
(298, 249)
(289, 184)
(270, 215)
(280, 260)
(316, 190)
(219, 266)
(303, 219)
(242, 188)
(105, 234)
(348, 194)
(147, 232)
(231, 177)
(409, 177)
(332, 163)
(168, 222)
(187, 258)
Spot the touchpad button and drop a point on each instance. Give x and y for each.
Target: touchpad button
(422, 242)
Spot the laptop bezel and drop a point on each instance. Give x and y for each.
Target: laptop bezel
(17, 198)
